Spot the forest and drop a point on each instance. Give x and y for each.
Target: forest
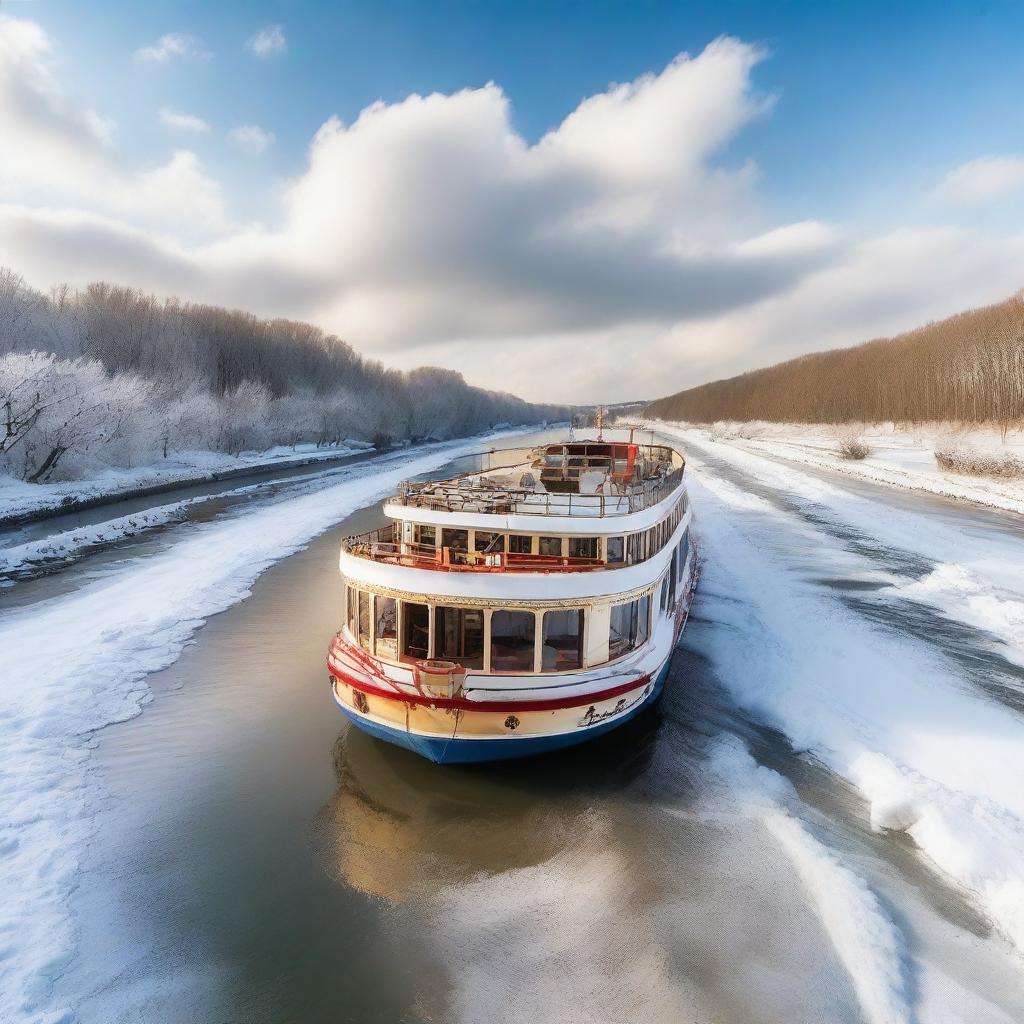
(108, 376)
(968, 369)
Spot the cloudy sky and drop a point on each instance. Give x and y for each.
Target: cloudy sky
(576, 201)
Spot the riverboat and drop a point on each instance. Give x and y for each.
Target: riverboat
(528, 606)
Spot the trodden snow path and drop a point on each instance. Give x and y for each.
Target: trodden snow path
(908, 684)
(76, 663)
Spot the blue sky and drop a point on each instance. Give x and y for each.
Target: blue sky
(871, 107)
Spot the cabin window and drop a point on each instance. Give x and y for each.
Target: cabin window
(459, 636)
(488, 543)
(520, 544)
(457, 540)
(415, 630)
(352, 609)
(385, 613)
(550, 545)
(583, 547)
(562, 647)
(672, 584)
(628, 626)
(634, 547)
(365, 637)
(427, 536)
(512, 639)
(663, 599)
(616, 550)
(643, 620)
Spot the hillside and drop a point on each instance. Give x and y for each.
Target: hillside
(112, 377)
(968, 368)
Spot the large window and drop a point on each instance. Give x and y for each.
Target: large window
(459, 636)
(512, 636)
(385, 613)
(520, 544)
(352, 609)
(364, 620)
(488, 543)
(550, 546)
(616, 550)
(426, 535)
(562, 647)
(415, 630)
(583, 547)
(635, 547)
(628, 626)
(457, 540)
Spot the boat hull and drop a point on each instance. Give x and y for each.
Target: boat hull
(491, 747)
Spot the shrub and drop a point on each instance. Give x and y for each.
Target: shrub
(853, 448)
(974, 463)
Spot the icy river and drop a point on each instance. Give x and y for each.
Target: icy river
(823, 821)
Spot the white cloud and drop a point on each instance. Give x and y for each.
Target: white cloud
(171, 46)
(978, 181)
(64, 154)
(269, 41)
(251, 138)
(181, 121)
(622, 255)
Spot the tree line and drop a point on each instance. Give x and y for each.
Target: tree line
(968, 368)
(112, 376)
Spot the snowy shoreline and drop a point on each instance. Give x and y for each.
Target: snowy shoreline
(901, 457)
(22, 503)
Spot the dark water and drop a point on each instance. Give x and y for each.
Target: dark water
(259, 861)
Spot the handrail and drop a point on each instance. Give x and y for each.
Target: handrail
(375, 547)
(442, 496)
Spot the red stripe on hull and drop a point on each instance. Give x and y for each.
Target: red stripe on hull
(460, 703)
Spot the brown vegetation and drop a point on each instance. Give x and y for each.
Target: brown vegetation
(853, 448)
(969, 368)
(975, 463)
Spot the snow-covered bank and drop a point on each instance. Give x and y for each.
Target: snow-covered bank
(78, 662)
(19, 499)
(933, 748)
(898, 456)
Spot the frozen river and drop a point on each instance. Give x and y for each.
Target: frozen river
(822, 821)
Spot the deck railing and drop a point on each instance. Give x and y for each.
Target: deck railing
(381, 546)
(447, 496)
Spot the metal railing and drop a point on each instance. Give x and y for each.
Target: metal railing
(381, 546)
(447, 496)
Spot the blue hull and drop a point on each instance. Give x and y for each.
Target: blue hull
(456, 751)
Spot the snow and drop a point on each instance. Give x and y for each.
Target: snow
(79, 662)
(18, 498)
(922, 737)
(900, 456)
(866, 941)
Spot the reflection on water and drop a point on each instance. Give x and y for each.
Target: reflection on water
(399, 827)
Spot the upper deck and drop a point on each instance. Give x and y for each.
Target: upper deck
(579, 478)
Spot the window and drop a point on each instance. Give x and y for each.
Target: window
(488, 542)
(385, 613)
(635, 547)
(426, 535)
(562, 646)
(550, 545)
(672, 584)
(663, 599)
(616, 550)
(352, 609)
(512, 636)
(643, 620)
(365, 639)
(459, 636)
(415, 630)
(628, 626)
(518, 544)
(457, 540)
(583, 547)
